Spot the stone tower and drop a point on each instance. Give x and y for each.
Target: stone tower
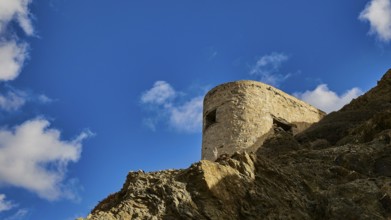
(239, 116)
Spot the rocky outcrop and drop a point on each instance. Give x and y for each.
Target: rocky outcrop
(340, 168)
(340, 127)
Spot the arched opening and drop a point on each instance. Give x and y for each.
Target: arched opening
(210, 119)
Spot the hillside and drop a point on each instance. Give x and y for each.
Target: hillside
(339, 168)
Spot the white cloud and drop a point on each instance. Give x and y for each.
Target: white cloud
(12, 52)
(34, 157)
(18, 10)
(160, 93)
(267, 68)
(4, 204)
(12, 56)
(325, 99)
(185, 117)
(378, 14)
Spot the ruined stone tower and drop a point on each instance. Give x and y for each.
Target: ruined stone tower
(239, 116)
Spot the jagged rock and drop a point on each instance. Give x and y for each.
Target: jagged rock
(340, 168)
(340, 127)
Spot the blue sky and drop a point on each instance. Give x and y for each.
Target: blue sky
(92, 89)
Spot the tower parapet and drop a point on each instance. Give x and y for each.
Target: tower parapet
(240, 115)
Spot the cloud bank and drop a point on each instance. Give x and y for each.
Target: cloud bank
(325, 99)
(33, 157)
(378, 14)
(267, 68)
(182, 116)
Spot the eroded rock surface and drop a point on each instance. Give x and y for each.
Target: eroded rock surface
(339, 168)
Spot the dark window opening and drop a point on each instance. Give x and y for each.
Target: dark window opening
(283, 124)
(210, 119)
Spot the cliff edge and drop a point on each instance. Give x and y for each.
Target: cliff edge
(339, 168)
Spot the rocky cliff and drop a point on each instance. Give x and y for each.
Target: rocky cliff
(340, 168)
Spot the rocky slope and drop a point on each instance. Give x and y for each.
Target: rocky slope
(340, 168)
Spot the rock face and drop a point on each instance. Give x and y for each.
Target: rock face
(339, 168)
(239, 116)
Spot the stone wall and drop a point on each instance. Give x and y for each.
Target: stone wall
(239, 116)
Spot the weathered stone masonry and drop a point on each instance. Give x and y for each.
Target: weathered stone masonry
(240, 115)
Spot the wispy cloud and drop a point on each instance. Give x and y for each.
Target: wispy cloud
(44, 99)
(325, 99)
(267, 68)
(378, 14)
(12, 101)
(19, 215)
(34, 157)
(5, 204)
(182, 116)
